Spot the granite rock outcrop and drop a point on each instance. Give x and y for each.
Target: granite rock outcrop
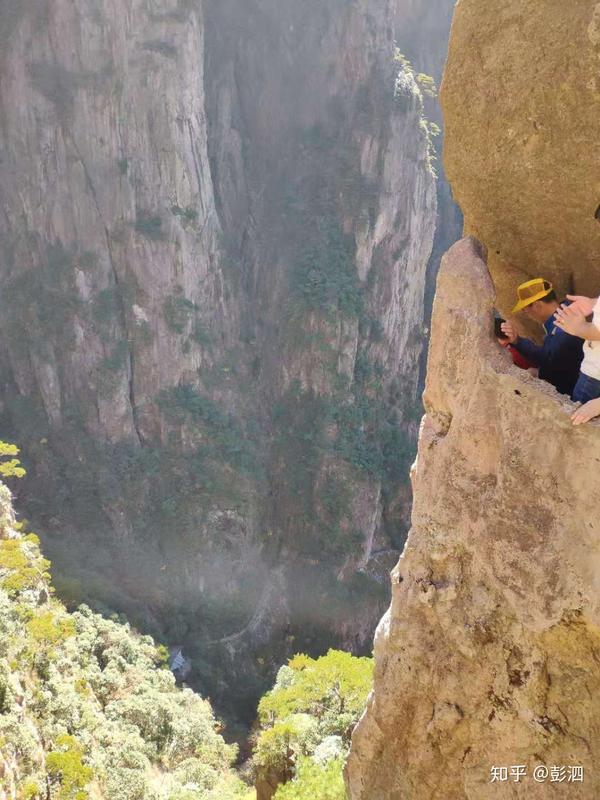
(521, 98)
(488, 655)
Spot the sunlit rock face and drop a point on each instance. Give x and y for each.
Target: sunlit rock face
(521, 101)
(488, 655)
(216, 221)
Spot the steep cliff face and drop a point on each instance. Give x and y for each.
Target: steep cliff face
(216, 220)
(419, 26)
(488, 655)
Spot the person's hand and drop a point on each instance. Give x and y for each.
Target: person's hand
(572, 319)
(510, 331)
(586, 412)
(584, 304)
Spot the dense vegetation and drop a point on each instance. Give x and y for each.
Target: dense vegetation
(87, 706)
(306, 721)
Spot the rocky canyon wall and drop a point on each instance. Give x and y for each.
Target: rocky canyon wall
(215, 219)
(419, 24)
(488, 655)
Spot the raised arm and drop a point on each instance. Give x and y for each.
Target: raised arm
(572, 319)
(586, 304)
(526, 347)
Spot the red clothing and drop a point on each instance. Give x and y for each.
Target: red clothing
(519, 359)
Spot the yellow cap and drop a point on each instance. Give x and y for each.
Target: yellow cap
(530, 291)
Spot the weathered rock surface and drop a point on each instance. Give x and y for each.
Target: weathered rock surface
(490, 652)
(215, 220)
(488, 655)
(521, 101)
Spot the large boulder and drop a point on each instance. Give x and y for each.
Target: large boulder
(521, 101)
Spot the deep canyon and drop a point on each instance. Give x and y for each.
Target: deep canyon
(221, 233)
(220, 230)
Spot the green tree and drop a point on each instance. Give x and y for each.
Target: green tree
(306, 721)
(12, 468)
(65, 766)
(333, 688)
(47, 629)
(132, 733)
(313, 780)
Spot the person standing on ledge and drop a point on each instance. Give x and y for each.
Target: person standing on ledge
(559, 357)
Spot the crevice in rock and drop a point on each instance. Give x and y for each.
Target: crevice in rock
(197, 172)
(88, 179)
(130, 356)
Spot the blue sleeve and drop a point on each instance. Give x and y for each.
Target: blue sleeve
(530, 350)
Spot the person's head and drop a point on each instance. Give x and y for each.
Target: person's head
(537, 299)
